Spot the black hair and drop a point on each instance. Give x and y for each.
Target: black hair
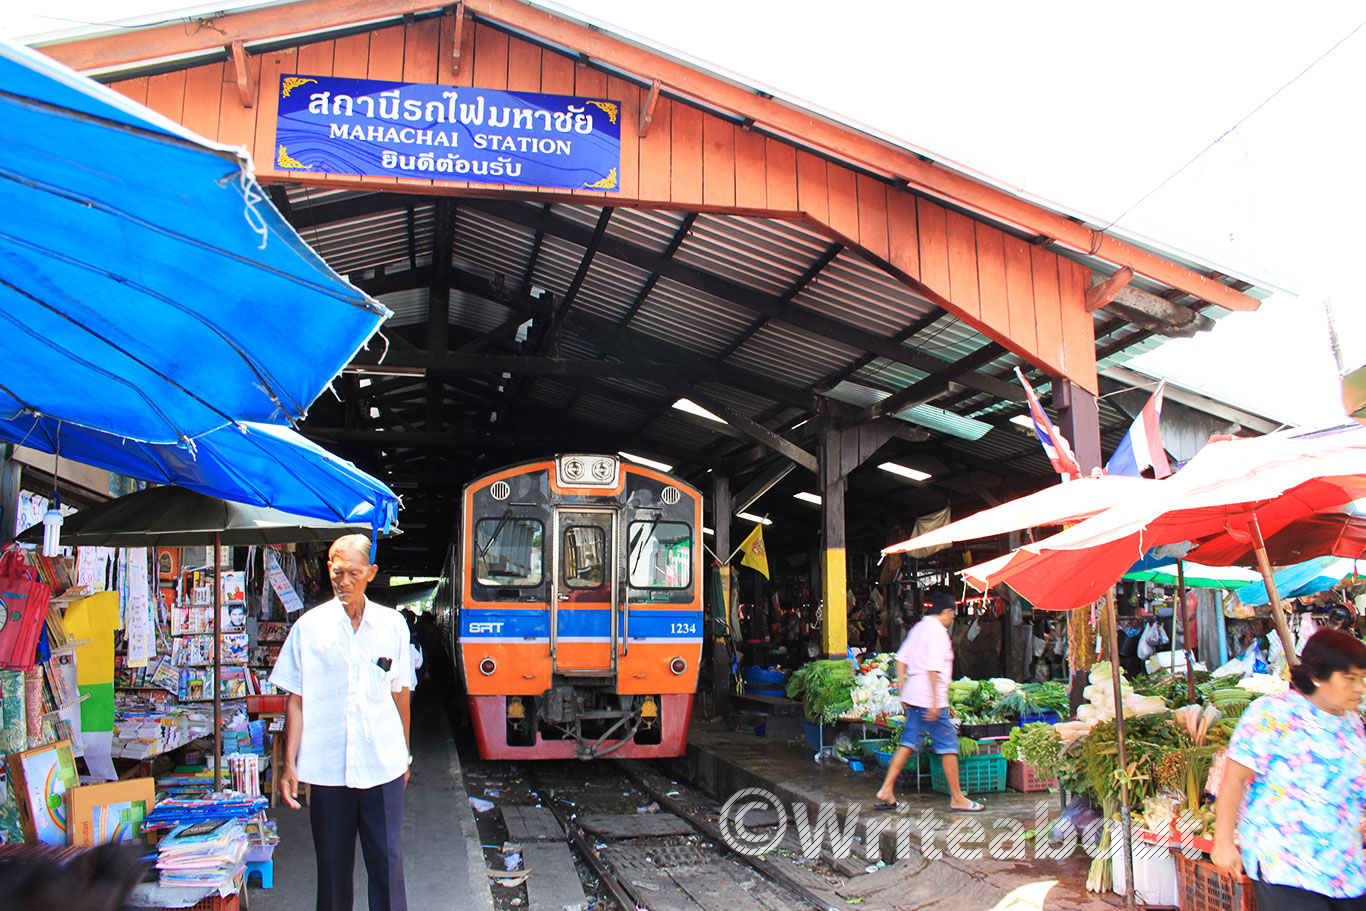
(938, 600)
(1327, 651)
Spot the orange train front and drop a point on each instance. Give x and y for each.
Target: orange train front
(579, 621)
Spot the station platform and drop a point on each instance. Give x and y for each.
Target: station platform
(443, 862)
(721, 762)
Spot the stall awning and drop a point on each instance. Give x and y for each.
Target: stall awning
(259, 464)
(147, 289)
(161, 320)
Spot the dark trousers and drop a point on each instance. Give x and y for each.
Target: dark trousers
(337, 815)
(1288, 898)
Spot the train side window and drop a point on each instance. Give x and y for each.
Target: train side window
(660, 554)
(507, 552)
(585, 551)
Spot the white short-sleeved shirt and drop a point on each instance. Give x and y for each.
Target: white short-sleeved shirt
(352, 732)
(927, 648)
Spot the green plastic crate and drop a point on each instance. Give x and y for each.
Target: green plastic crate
(977, 774)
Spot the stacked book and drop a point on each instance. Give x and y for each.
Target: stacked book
(203, 855)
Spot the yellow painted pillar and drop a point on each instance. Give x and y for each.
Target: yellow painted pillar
(834, 572)
(835, 602)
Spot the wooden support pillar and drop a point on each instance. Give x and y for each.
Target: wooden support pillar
(834, 571)
(1079, 421)
(721, 515)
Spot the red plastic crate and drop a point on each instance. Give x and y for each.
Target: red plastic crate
(217, 903)
(1204, 887)
(1023, 777)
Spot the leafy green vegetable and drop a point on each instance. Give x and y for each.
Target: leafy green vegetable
(825, 687)
(1050, 697)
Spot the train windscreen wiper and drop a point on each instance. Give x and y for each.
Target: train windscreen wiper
(648, 533)
(507, 514)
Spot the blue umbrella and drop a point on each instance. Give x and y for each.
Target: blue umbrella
(1308, 578)
(147, 289)
(258, 464)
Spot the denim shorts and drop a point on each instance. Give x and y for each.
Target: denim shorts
(943, 738)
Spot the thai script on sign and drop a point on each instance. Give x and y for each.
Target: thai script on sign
(331, 125)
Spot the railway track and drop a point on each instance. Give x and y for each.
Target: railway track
(619, 834)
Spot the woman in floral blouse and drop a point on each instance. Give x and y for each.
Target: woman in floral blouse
(1297, 770)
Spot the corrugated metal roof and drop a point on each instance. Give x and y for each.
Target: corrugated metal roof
(489, 246)
(852, 290)
(760, 253)
(796, 357)
(690, 319)
(409, 307)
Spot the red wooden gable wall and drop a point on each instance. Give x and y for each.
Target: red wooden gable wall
(1024, 296)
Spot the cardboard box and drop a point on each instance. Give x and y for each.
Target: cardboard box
(111, 812)
(40, 778)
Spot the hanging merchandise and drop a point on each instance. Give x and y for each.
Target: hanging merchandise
(23, 608)
(281, 584)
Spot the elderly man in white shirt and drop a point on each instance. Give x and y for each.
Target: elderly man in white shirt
(347, 668)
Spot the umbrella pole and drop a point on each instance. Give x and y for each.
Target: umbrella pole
(1185, 630)
(217, 664)
(1277, 611)
(1113, 634)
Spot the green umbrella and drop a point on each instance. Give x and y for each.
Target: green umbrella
(1198, 576)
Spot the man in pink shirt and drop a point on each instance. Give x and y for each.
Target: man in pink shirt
(924, 667)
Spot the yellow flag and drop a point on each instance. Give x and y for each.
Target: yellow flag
(756, 556)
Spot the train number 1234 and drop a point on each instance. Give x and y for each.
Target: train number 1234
(689, 629)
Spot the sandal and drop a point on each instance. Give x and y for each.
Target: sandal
(890, 805)
(974, 807)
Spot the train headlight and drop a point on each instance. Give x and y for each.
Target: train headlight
(488, 666)
(678, 665)
(671, 495)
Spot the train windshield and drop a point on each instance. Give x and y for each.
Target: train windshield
(661, 554)
(508, 552)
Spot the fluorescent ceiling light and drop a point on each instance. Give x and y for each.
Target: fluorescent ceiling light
(945, 422)
(648, 463)
(924, 415)
(1023, 420)
(692, 407)
(914, 474)
(808, 497)
(707, 531)
(751, 517)
(381, 370)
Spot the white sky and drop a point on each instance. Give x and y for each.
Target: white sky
(1090, 105)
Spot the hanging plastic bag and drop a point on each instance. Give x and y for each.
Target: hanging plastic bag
(1252, 659)
(24, 604)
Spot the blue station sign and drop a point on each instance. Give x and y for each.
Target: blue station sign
(331, 125)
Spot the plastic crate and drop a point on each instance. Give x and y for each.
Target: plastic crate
(868, 747)
(977, 774)
(217, 903)
(759, 691)
(1204, 887)
(991, 746)
(983, 731)
(1023, 777)
(1039, 718)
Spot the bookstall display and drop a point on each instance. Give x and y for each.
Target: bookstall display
(105, 718)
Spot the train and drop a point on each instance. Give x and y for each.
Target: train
(575, 608)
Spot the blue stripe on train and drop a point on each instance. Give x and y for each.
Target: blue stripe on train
(477, 623)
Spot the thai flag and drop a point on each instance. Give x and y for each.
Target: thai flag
(1141, 449)
(1054, 443)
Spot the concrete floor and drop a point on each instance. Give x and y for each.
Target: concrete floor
(724, 761)
(443, 863)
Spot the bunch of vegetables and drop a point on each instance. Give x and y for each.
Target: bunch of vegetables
(874, 694)
(825, 686)
(1035, 744)
(1049, 697)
